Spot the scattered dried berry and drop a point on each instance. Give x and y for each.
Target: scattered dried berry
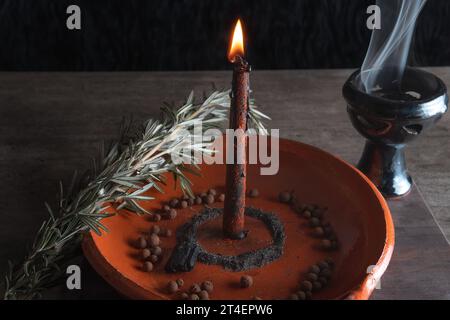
(285, 197)
(323, 281)
(330, 261)
(154, 240)
(157, 251)
(253, 193)
(198, 200)
(142, 243)
(208, 286)
(323, 265)
(191, 202)
(325, 244)
(180, 282)
(312, 276)
(294, 296)
(301, 295)
(194, 297)
(203, 194)
(174, 202)
(165, 208)
(203, 295)
(325, 273)
(156, 217)
(256, 298)
(184, 296)
(308, 295)
(156, 229)
(221, 197)
(145, 253)
(307, 214)
(314, 222)
(314, 269)
(148, 266)
(318, 231)
(195, 288)
(172, 287)
(154, 258)
(306, 285)
(317, 285)
(172, 214)
(184, 204)
(212, 192)
(166, 233)
(246, 281)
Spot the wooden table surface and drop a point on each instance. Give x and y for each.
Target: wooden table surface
(50, 124)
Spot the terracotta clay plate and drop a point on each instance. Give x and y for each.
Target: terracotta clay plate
(356, 210)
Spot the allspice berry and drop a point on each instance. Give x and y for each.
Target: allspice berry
(323, 281)
(318, 231)
(155, 229)
(156, 217)
(154, 240)
(172, 287)
(146, 253)
(203, 194)
(312, 276)
(184, 296)
(306, 285)
(208, 286)
(142, 243)
(166, 233)
(180, 282)
(323, 265)
(198, 200)
(246, 281)
(212, 192)
(172, 214)
(209, 199)
(191, 202)
(174, 202)
(325, 244)
(306, 214)
(184, 204)
(203, 295)
(285, 197)
(153, 258)
(157, 251)
(148, 266)
(195, 288)
(326, 273)
(317, 285)
(301, 295)
(314, 269)
(194, 296)
(293, 296)
(253, 193)
(221, 197)
(165, 208)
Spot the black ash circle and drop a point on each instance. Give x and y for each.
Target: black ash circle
(188, 250)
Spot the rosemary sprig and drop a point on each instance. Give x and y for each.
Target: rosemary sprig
(121, 177)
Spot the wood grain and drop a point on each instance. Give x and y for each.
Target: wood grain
(51, 123)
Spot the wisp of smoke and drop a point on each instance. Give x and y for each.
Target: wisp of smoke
(389, 46)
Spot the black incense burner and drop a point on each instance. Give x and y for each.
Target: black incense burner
(389, 120)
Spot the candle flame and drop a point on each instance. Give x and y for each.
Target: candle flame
(237, 44)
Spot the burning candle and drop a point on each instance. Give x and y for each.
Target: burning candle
(236, 172)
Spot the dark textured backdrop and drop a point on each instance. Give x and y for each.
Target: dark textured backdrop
(193, 34)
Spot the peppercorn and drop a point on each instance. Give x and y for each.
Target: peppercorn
(323, 281)
(314, 269)
(155, 229)
(312, 276)
(294, 296)
(190, 202)
(156, 217)
(330, 261)
(253, 193)
(285, 197)
(157, 251)
(323, 265)
(148, 266)
(306, 285)
(174, 202)
(314, 222)
(172, 287)
(221, 197)
(198, 200)
(184, 296)
(184, 204)
(209, 199)
(325, 244)
(165, 208)
(195, 288)
(142, 243)
(307, 214)
(180, 282)
(212, 192)
(154, 240)
(326, 273)
(208, 286)
(301, 295)
(318, 231)
(154, 258)
(203, 295)
(172, 214)
(145, 253)
(194, 297)
(246, 281)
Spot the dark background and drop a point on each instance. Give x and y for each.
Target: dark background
(194, 34)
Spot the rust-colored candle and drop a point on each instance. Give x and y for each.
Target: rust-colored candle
(233, 217)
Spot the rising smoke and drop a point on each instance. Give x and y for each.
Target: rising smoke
(389, 46)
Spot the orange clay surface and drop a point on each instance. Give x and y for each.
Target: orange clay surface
(356, 210)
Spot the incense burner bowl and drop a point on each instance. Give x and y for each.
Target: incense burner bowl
(389, 121)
